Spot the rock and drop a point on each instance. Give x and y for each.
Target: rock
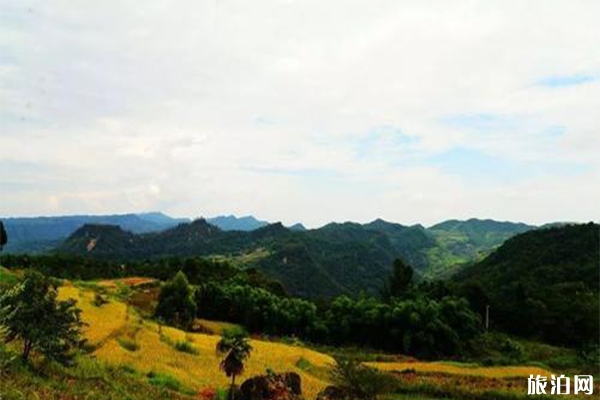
(294, 382)
(285, 386)
(256, 388)
(332, 393)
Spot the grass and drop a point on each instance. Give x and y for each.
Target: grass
(7, 278)
(168, 382)
(214, 327)
(88, 379)
(102, 322)
(244, 260)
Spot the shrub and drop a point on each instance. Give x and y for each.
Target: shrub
(185, 347)
(99, 300)
(128, 344)
(359, 381)
(497, 349)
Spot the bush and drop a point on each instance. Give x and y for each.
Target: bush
(185, 347)
(360, 382)
(128, 344)
(495, 348)
(99, 300)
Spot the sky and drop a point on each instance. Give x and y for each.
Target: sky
(311, 111)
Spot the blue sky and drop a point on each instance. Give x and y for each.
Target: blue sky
(566, 80)
(410, 111)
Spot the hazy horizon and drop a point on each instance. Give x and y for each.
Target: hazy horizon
(307, 112)
(290, 223)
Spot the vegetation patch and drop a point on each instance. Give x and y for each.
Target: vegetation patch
(185, 346)
(168, 382)
(128, 344)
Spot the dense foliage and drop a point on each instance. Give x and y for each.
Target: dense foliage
(176, 303)
(257, 309)
(197, 269)
(542, 284)
(421, 326)
(31, 313)
(400, 281)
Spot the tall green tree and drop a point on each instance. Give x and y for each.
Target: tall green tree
(400, 281)
(3, 236)
(31, 313)
(235, 347)
(176, 303)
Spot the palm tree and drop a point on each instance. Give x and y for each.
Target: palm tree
(236, 348)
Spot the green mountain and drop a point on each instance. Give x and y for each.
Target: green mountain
(233, 223)
(547, 277)
(38, 234)
(336, 258)
(462, 242)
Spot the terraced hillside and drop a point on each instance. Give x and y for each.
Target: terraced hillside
(123, 337)
(129, 349)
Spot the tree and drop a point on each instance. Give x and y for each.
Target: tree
(176, 303)
(3, 236)
(400, 280)
(236, 348)
(30, 312)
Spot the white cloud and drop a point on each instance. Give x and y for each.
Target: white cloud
(259, 107)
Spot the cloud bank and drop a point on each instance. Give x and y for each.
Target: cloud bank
(301, 110)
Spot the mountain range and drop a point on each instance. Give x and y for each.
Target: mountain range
(39, 234)
(334, 259)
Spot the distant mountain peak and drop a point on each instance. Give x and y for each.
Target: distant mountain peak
(274, 229)
(298, 227)
(233, 223)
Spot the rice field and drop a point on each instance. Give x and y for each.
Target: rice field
(102, 322)
(461, 369)
(112, 328)
(133, 281)
(122, 336)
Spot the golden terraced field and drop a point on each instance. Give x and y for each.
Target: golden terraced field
(465, 370)
(114, 323)
(109, 323)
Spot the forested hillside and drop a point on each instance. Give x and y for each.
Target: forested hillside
(461, 242)
(339, 258)
(541, 284)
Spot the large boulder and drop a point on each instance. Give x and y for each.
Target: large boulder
(332, 393)
(285, 386)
